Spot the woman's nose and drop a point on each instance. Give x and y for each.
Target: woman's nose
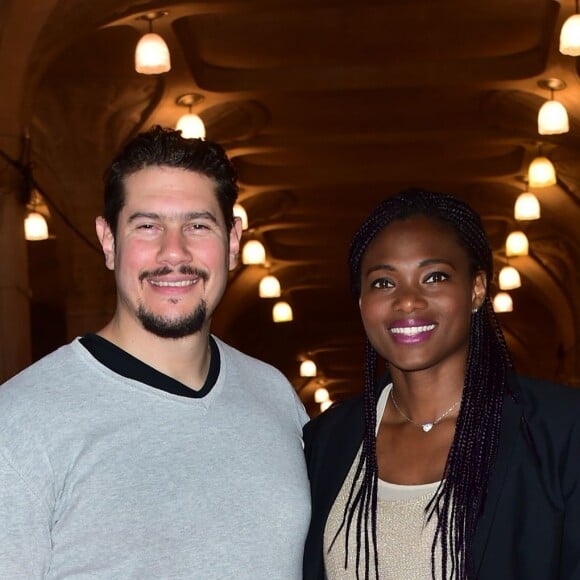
(409, 299)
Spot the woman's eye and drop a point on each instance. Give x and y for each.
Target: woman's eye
(381, 283)
(436, 277)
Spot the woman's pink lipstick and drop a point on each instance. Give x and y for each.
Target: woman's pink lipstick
(411, 331)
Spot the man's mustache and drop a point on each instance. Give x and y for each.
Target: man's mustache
(166, 270)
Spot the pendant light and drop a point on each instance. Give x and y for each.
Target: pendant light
(541, 172)
(321, 395)
(253, 253)
(269, 287)
(527, 207)
(503, 302)
(509, 278)
(570, 35)
(282, 312)
(552, 117)
(152, 54)
(325, 405)
(190, 125)
(35, 227)
(517, 244)
(240, 212)
(308, 368)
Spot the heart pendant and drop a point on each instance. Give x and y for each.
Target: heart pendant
(427, 427)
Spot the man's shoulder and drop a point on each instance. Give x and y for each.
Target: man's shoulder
(33, 402)
(260, 377)
(242, 362)
(50, 370)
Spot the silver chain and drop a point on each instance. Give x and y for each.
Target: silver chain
(429, 424)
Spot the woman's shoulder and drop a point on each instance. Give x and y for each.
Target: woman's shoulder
(548, 401)
(346, 415)
(547, 392)
(332, 433)
(334, 417)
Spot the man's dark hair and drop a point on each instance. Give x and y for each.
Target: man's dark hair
(167, 148)
(458, 501)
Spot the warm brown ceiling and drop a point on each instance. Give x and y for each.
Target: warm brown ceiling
(325, 107)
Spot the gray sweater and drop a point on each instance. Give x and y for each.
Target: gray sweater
(105, 477)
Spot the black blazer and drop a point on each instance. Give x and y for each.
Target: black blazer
(530, 525)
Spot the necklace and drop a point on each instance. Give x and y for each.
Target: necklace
(425, 426)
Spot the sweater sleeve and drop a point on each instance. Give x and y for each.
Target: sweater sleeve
(25, 539)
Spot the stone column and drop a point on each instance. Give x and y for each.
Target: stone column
(14, 292)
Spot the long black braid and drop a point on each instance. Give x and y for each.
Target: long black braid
(459, 499)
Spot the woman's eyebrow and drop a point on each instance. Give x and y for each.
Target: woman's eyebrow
(422, 264)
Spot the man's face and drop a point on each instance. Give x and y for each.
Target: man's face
(171, 253)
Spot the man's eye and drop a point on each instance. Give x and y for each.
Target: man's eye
(197, 227)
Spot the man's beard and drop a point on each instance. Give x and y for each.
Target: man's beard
(167, 328)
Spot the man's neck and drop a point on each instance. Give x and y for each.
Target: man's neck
(185, 359)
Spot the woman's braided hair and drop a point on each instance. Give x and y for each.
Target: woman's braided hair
(459, 499)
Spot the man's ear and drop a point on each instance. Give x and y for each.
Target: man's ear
(107, 241)
(479, 290)
(235, 237)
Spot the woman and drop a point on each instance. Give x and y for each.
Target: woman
(449, 466)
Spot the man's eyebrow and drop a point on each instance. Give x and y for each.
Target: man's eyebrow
(195, 215)
(188, 216)
(142, 214)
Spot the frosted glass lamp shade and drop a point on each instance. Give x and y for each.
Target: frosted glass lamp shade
(35, 227)
(152, 55)
(553, 119)
(509, 278)
(308, 368)
(321, 395)
(253, 252)
(503, 302)
(240, 212)
(570, 36)
(517, 244)
(324, 405)
(269, 287)
(541, 173)
(527, 207)
(191, 126)
(282, 312)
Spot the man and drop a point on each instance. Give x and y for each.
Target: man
(151, 449)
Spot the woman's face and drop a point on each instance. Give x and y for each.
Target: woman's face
(417, 294)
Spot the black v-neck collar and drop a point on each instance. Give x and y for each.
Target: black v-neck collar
(126, 365)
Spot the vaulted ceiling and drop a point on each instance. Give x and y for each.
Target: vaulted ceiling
(325, 107)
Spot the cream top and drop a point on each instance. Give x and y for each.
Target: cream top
(404, 536)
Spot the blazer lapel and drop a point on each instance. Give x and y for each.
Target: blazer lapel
(339, 458)
(510, 422)
(347, 438)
